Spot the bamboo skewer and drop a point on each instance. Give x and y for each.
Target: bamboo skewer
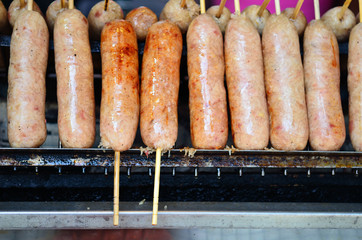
(156, 186)
(297, 9)
(221, 8)
(344, 8)
(202, 6)
(106, 5)
(71, 4)
(30, 5)
(183, 3)
(277, 7)
(263, 7)
(237, 7)
(22, 3)
(360, 11)
(317, 14)
(62, 3)
(116, 189)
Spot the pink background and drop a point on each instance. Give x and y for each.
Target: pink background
(307, 8)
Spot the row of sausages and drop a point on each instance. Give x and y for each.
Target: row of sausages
(288, 105)
(142, 18)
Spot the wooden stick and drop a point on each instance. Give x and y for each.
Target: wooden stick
(202, 6)
(344, 8)
(156, 186)
(317, 14)
(297, 9)
(360, 11)
(237, 7)
(62, 3)
(277, 7)
(106, 5)
(22, 3)
(263, 7)
(30, 5)
(221, 8)
(183, 3)
(71, 4)
(116, 189)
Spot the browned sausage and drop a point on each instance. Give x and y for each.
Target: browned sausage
(75, 90)
(160, 85)
(284, 84)
(355, 86)
(322, 79)
(141, 19)
(245, 82)
(207, 103)
(26, 92)
(120, 95)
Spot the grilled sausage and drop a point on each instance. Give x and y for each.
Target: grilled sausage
(322, 79)
(160, 85)
(245, 82)
(224, 18)
(340, 27)
(98, 17)
(141, 19)
(300, 22)
(15, 9)
(284, 84)
(75, 90)
(252, 13)
(52, 12)
(182, 17)
(120, 84)
(355, 86)
(26, 91)
(207, 102)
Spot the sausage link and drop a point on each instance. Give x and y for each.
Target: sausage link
(207, 102)
(75, 89)
(120, 84)
(245, 82)
(160, 85)
(26, 91)
(322, 79)
(355, 86)
(284, 84)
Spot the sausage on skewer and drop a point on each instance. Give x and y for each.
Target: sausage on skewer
(26, 92)
(207, 101)
(141, 19)
(98, 17)
(355, 86)
(53, 11)
(245, 82)
(160, 85)
(75, 89)
(322, 78)
(120, 84)
(15, 9)
(284, 84)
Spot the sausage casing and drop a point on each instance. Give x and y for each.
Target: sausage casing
(245, 82)
(160, 85)
(322, 78)
(26, 91)
(284, 84)
(355, 86)
(207, 100)
(120, 84)
(75, 87)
